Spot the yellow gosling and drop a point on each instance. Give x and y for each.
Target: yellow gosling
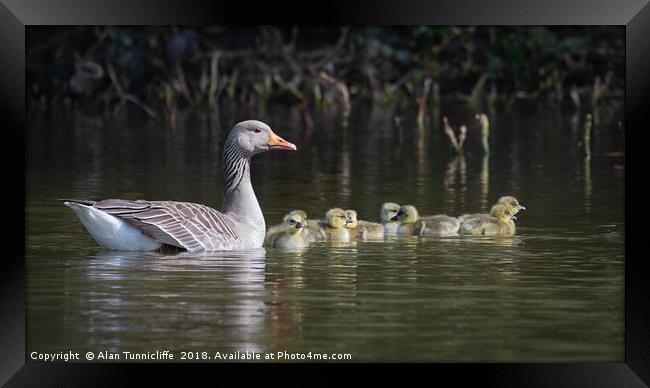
(388, 211)
(289, 234)
(510, 202)
(410, 223)
(332, 228)
(500, 223)
(279, 227)
(363, 230)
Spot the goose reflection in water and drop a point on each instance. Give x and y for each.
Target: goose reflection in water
(215, 298)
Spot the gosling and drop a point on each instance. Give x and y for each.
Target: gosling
(508, 201)
(410, 223)
(288, 234)
(363, 230)
(499, 223)
(388, 211)
(332, 228)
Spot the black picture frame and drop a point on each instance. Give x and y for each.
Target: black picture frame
(16, 15)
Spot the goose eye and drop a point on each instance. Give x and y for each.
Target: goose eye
(257, 130)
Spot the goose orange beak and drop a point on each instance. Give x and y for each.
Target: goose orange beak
(278, 143)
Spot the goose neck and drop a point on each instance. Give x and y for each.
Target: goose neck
(239, 199)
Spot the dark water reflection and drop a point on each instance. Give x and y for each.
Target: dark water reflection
(554, 292)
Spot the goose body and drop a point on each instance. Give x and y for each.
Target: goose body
(110, 231)
(147, 225)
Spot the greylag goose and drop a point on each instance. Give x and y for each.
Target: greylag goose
(363, 230)
(148, 225)
(500, 223)
(508, 201)
(289, 235)
(388, 211)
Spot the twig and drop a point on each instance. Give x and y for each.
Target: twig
(462, 137)
(450, 133)
(587, 137)
(485, 131)
(421, 101)
(214, 78)
(124, 96)
(343, 90)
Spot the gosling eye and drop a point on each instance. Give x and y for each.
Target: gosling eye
(292, 222)
(257, 130)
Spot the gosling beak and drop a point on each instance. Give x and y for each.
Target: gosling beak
(299, 225)
(519, 207)
(348, 221)
(278, 143)
(395, 217)
(513, 217)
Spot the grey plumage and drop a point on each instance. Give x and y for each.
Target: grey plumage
(185, 225)
(194, 227)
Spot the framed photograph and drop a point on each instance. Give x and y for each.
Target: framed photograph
(433, 184)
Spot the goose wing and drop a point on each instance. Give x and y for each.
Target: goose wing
(186, 225)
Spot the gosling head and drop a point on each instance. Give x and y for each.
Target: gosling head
(300, 213)
(352, 219)
(407, 214)
(336, 218)
(388, 211)
(253, 137)
(511, 204)
(294, 222)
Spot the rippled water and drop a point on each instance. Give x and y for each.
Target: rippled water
(554, 292)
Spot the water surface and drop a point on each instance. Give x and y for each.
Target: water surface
(554, 292)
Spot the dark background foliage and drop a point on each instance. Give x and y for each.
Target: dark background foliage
(166, 70)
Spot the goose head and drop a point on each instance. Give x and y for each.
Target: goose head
(407, 214)
(254, 137)
(352, 221)
(336, 218)
(388, 211)
(294, 221)
(511, 204)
